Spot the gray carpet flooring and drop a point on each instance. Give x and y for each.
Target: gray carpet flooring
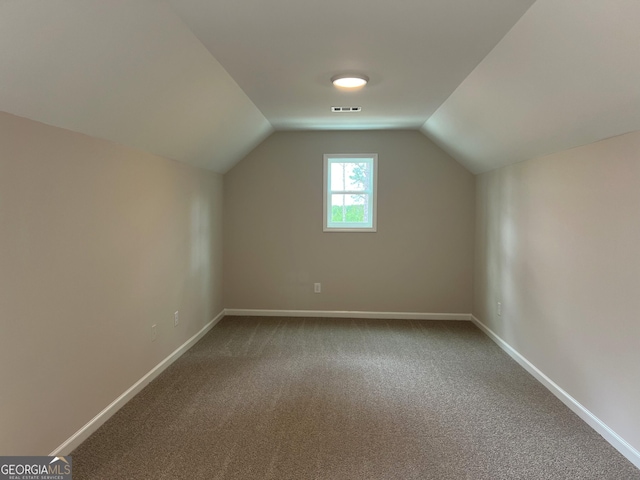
(293, 398)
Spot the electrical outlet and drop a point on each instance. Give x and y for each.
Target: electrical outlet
(317, 288)
(176, 319)
(154, 332)
(499, 309)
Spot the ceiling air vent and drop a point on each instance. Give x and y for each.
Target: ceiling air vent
(346, 109)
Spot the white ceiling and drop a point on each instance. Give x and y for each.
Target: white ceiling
(283, 53)
(567, 74)
(491, 81)
(128, 71)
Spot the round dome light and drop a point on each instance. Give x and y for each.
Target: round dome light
(350, 81)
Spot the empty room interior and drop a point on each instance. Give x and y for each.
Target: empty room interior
(220, 259)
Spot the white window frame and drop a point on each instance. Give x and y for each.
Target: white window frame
(328, 226)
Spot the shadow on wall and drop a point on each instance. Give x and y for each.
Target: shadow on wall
(200, 244)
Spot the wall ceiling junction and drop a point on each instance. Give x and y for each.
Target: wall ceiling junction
(491, 82)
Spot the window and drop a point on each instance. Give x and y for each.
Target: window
(350, 192)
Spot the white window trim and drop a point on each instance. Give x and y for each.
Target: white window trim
(325, 191)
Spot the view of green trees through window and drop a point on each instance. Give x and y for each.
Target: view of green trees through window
(349, 191)
(347, 213)
(350, 208)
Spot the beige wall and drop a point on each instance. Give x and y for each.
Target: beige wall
(558, 242)
(97, 243)
(419, 260)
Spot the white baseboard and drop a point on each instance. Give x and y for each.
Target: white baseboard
(81, 435)
(237, 312)
(594, 422)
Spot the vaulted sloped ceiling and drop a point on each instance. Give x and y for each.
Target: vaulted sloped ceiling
(203, 82)
(567, 74)
(127, 71)
(284, 52)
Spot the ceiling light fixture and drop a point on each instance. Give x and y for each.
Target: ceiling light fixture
(349, 81)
